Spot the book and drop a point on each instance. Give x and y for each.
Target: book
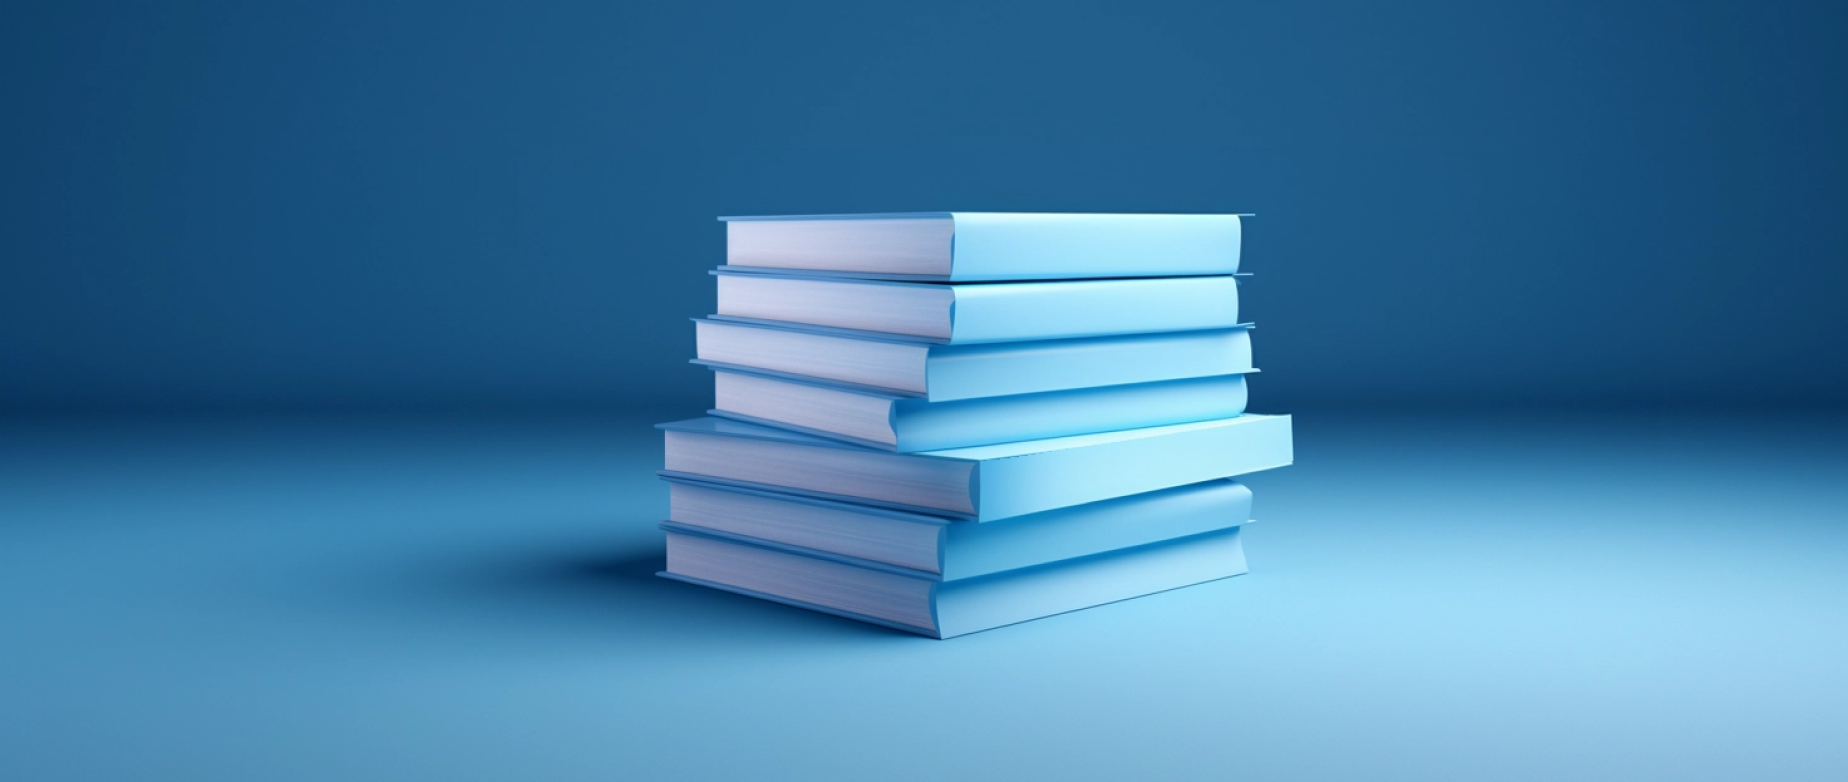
(978, 246)
(930, 605)
(944, 373)
(985, 312)
(905, 423)
(983, 483)
(949, 548)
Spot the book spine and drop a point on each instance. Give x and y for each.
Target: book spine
(1035, 482)
(1091, 308)
(971, 549)
(890, 597)
(1004, 368)
(923, 425)
(1070, 246)
(974, 605)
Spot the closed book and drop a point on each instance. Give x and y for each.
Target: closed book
(959, 314)
(983, 483)
(930, 605)
(953, 549)
(979, 246)
(895, 421)
(945, 373)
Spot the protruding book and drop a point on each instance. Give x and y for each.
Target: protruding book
(984, 483)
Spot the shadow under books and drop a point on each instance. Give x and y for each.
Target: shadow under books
(610, 589)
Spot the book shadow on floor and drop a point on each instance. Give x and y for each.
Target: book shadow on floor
(610, 590)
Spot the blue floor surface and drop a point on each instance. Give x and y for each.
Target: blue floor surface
(1470, 597)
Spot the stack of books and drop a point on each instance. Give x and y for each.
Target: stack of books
(950, 422)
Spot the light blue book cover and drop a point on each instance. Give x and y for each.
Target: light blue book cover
(945, 373)
(960, 314)
(987, 246)
(983, 483)
(908, 424)
(949, 549)
(915, 602)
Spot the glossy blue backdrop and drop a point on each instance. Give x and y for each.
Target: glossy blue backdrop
(417, 203)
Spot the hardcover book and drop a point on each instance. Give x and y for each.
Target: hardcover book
(930, 605)
(895, 421)
(947, 547)
(946, 373)
(988, 312)
(983, 483)
(979, 246)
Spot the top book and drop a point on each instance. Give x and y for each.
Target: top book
(984, 246)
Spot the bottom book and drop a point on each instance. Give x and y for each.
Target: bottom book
(925, 603)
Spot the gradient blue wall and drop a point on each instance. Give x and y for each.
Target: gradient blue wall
(247, 205)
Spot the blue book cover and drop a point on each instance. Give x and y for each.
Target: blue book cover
(908, 424)
(987, 246)
(960, 314)
(946, 548)
(945, 373)
(928, 605)
(982, 483)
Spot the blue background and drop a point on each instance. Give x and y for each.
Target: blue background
(288, 205)
(330, 335)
